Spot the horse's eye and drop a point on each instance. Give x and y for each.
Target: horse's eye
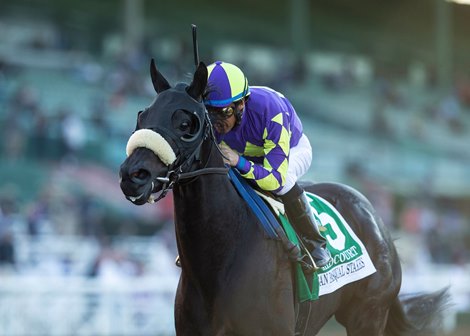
(184, 126)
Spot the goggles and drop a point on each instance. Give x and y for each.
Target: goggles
(217, 113)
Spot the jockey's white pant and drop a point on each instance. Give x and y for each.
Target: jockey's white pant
(300, 159)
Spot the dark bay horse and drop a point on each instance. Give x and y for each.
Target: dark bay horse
(235, 281)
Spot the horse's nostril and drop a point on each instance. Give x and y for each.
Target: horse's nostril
(140, 176)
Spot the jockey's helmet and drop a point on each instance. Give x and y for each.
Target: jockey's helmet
(226, 84)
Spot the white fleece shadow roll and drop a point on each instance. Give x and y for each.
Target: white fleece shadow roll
(155, 142)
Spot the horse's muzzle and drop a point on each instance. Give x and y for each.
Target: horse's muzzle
(136, 184)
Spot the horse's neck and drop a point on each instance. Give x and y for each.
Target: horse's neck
(207, 194)
(208, 217)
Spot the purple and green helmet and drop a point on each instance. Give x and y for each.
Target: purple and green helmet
(226, 84)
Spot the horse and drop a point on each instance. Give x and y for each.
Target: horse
(234, 280)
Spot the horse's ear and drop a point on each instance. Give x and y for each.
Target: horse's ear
(199, 83)
(159, 82)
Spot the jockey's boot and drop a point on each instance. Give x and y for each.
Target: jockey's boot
(298, 211)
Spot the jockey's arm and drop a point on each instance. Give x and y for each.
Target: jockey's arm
(271, 174)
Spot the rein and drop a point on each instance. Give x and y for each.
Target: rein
(203, 171)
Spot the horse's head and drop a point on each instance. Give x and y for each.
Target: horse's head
(167, 137)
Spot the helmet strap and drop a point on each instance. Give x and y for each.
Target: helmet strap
(239, 112)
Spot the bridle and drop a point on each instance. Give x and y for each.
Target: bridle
(176, 172)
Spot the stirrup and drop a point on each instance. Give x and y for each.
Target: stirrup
(178, 261)
(306, 260)
(308, 265)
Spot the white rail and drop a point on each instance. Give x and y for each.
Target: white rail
(76, 306)
(66, 306)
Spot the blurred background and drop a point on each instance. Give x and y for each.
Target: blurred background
(383, 88)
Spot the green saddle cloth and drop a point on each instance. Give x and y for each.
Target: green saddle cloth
(350, 260)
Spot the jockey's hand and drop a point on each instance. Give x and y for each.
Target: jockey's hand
(230, 156)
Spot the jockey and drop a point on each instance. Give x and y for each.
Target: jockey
(261, 135)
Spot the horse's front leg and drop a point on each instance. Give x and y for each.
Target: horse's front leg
(190, 316)
(260, 301)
